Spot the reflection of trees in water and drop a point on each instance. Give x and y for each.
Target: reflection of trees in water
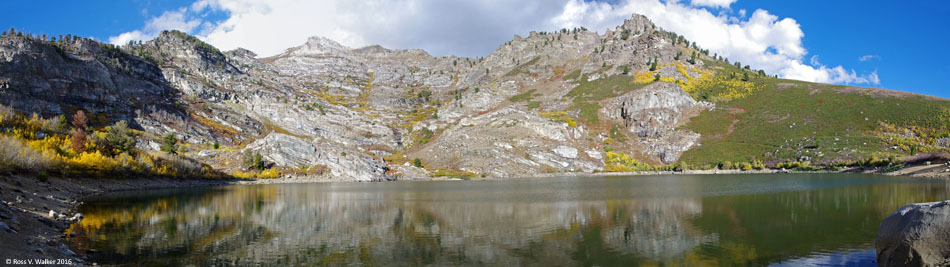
(301, 224)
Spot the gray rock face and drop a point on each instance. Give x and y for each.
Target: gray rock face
(652, 114)
(652, 110)
(915, 235)
(291, 151)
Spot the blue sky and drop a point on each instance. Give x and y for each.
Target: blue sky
(898, 44)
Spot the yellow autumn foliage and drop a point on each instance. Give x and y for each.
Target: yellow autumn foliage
(263, 174)
(559, 116)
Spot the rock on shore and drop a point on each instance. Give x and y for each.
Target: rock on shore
(915, 235)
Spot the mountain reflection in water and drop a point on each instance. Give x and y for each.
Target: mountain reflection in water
(693, 220)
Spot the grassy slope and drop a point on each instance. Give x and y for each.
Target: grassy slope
(789, 119)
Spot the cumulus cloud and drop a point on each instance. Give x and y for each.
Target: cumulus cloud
(475, 28)
(713, 3)
(169, 20)
(762, 40)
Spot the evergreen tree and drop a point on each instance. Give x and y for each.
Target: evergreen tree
(120, 137)
(653, 65)
(170, 144)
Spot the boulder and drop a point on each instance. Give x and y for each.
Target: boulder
(565, 152)
(915, 235)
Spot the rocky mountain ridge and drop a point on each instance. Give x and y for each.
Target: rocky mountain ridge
(564, 101)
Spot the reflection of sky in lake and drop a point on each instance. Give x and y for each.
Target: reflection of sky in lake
(692, 220)
(857, 257)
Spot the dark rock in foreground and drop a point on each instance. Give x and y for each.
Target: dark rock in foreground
(915, 235)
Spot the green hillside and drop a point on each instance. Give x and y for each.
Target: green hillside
(790, 120)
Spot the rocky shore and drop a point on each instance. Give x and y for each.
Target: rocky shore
(34, 214)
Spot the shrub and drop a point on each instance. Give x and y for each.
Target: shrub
(758, 165)
(454, 174)
(745, 166)
(681, 166)
(726, 165)
(262, 174)
(560, 116)
(92, 163)
(15, 154)
(417, 162)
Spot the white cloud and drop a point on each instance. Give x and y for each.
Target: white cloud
(713, 3)
(475, 28)
(868, 57)
(762, 40)
(169, 20)
(465, 28)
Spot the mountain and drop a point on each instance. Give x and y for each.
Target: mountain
(634, 98)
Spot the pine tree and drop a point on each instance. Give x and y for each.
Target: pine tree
(170, 144)
(120, 137)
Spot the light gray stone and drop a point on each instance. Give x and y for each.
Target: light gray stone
(915, 235)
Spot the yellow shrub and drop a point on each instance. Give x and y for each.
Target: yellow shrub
(93, 162)
(560, 116)
(620, 162)
(264, 174)
(644, 76)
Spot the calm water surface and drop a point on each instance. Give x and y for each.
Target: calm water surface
(790, 220)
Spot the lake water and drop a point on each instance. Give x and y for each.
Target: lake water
(775, 219)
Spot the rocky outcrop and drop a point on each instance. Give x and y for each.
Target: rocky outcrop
(292, 151)
(915, 235)
(652, 114)
(652, 110)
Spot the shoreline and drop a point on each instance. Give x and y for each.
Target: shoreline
(27, 201)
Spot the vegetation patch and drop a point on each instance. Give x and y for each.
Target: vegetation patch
(47, 147)
(454, 174)
(560, 116)
(521, 68)
(817, 123)
(522, 97)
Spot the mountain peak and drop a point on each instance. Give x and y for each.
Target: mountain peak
(317, 45)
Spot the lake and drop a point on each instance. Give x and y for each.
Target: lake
(769, 219)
